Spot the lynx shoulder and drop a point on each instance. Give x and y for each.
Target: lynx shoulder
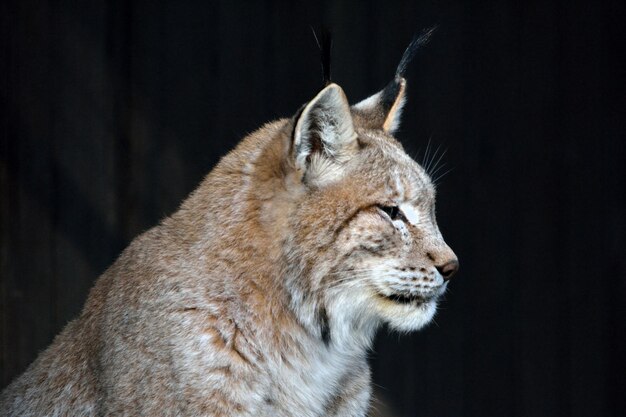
(261, 295)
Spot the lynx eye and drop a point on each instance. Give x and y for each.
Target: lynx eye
(393, 212)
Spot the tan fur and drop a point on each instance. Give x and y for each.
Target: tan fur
(261, 294)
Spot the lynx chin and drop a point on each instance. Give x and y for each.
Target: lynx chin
(261, 295)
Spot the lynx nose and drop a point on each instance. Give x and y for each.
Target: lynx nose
(448, 269)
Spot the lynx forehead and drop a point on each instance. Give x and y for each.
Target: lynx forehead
(261, 295)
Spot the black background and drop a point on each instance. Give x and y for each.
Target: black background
(112, 112)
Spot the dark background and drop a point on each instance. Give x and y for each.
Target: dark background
(112, 112)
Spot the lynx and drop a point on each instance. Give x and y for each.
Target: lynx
(261, 295)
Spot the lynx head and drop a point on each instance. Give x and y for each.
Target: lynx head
(362, 242)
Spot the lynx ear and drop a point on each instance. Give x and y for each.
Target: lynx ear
(384, 109)
(324, 135)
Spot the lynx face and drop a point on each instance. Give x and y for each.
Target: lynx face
(371, 247)
(394, 259)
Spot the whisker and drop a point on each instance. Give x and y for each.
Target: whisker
(355, 279)
(436, 157)
(427, 156)
(356, 276)
(426, 152)
(432, 158)
(349, 271)
(437, 169)
(350, 280)
(346, 284)
(434, 167)
(436, 180)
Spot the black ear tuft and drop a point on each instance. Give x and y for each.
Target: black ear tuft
(417, 42)
(384, 109)
(325, 44)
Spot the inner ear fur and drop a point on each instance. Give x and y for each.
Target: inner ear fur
(383, 110)
(324, 128)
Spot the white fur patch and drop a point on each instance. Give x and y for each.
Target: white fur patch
(399, 185)
(411, 214)
(369, 103)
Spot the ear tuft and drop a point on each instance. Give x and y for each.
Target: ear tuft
(325, 45)
(409, 53)
(384, 109)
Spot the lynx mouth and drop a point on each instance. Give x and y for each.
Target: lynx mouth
(406, 299)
